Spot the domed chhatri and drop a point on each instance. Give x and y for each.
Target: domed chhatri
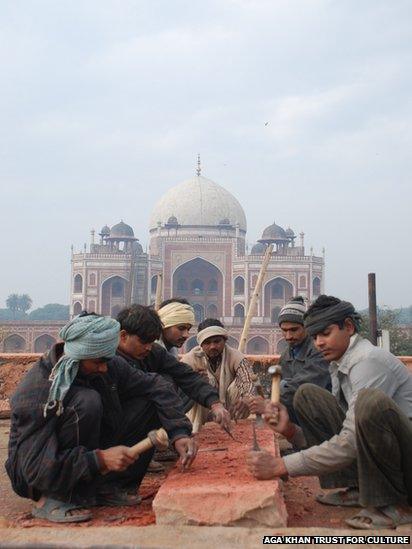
(105, 231)
(258, 249)
(198, 202)
(122, 231)
(273, 233)
(172, 220)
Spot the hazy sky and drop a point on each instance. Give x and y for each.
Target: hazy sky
(105, 105)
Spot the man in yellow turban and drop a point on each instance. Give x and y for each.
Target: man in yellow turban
(177, 317)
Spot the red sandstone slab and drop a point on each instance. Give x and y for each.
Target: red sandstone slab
(218, 489)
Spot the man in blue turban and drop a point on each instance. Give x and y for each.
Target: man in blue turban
(75, 415)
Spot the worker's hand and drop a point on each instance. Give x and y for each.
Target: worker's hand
(257, 405)
(187, 448)
(264, 465)
(116, 458)
(221, 415)
(241, 409)
(277, 417)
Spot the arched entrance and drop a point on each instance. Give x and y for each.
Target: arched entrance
(277, 293)
(43, 343)
(232, 342)
(14, 344)
(113, 295)
(258, 346)
(204, 286)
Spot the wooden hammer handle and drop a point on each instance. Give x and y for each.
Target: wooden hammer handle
(141, 447)
(147, 443)
(275, 393)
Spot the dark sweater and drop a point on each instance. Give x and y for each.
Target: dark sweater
(162, 362)
(35, 461)
(308, 366)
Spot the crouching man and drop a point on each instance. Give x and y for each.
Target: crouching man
(360, 436)
(75, 415)
(225, 368)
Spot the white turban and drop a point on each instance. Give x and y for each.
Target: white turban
(211, 331)
(176, 313)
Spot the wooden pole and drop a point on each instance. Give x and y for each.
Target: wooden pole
(373, 313)
(255, 296)
(159, 291)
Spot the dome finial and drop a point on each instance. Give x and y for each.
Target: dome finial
(199, 169)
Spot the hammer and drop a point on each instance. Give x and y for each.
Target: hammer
(275, 371)
(158, 439)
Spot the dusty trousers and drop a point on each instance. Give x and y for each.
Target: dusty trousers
(85, 422)
(382, 470)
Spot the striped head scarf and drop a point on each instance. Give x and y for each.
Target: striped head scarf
(84, 337)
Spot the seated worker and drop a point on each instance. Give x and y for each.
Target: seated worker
(226, 368)
(143, 353)
(178, 317)
(75, 414)
(301, 362)
(360, 436)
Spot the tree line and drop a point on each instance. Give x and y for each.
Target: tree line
(18, 306)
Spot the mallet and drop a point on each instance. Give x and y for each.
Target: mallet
(158, 439)
(275, 372)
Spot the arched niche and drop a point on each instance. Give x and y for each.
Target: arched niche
(258, 346)
(78, 284)
(211, 311)
(199, 312)
(274, 315)
(277, 292)
(281, 346)
(232, 342)
(316, 286)
(239, 311)
(77, 308)
(14, 344)
(114, 291)
(239, 285)
(43, 343)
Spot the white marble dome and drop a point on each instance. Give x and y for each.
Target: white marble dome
(198, 202)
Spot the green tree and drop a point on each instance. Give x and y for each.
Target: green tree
(51, 311)
(388, 319)
(25, 302)
(12, 303)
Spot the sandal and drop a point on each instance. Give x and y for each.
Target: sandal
(370, 519)
(389, 516)
(59, 511)
(349, 497)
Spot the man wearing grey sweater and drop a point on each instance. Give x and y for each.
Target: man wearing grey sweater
(359, 437)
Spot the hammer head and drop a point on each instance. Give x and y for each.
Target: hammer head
(159, 439)
(275, 370)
